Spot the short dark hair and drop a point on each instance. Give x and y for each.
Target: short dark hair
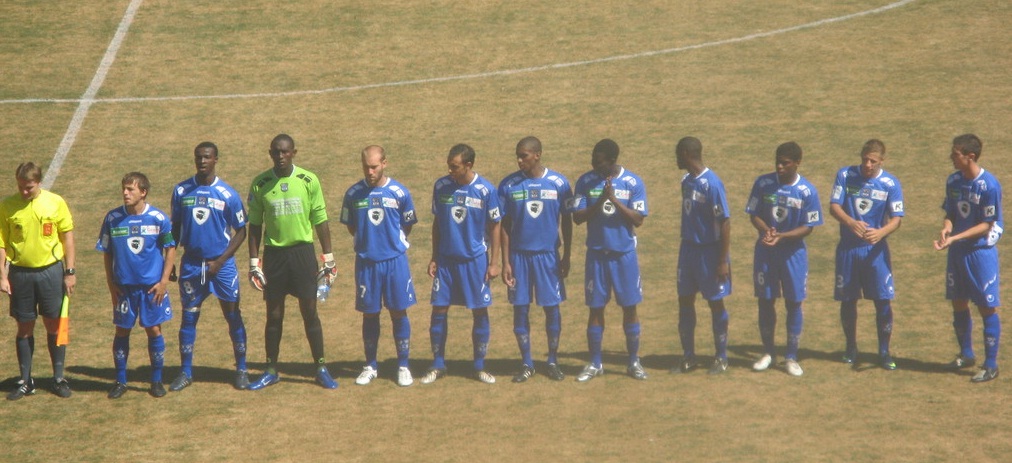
(968, 143)
(136, 177)
(28, 171)
(530, 143)
(608, 148)
(790, 150)
(873, 146)
(283, 136)
(206, 144)
(463, 150)
(691, 147)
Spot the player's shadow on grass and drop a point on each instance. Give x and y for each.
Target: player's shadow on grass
(865, 360)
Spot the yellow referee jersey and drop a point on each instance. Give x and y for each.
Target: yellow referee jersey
(30, 230)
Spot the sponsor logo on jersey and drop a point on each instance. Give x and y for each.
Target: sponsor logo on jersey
(376, 215)
(390, 202)
(362, 204)
(240, 216)
(519, 195)
(286, 206)
(534, 208)
(119, 231)
(622, 194)
(494, 214)
(549, 194)
(409, 216)
(595, 193)
(718, 210)
(794, 203)
(975, 198)
(639, 205)
(698, 196)
(189, 201)
(813, 216)
(879, 195)
(989, 211)
(476, 203)
(897, 206)
(458, 214)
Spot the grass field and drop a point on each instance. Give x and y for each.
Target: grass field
(419, 77)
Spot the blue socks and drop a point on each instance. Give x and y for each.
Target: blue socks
(687, 330)
(402, 337)
(437, 336)
(632, 340)
(522, 330)
(187, 338)
(553, 328)
(767, 324)
(795, 321)
(848, 319)
(594, 337)
(481, 331)
(963, 325)
(156, 351)
(992, 338)
(719, 322)
(884, 324)
(370, 339)
(237, 332)
(120, 354)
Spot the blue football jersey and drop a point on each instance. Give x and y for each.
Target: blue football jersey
(610, 232)
(704, 207)
(871, 200)
(462, 214)
(136, 243)
(378, 215)
(784, 207)
(970, 202)
(206, 216)
(535, 207)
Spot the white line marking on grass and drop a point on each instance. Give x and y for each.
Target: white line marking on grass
(506, 72)
(89, 95)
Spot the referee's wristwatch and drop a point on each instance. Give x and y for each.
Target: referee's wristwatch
(69, 271)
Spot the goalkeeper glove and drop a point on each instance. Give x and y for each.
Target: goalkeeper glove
(328, 273)
(256, 275)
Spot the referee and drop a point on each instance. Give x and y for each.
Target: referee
(37, 239)
(285, 206)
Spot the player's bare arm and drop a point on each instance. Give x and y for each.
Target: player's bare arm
(507, 269)
(859, 227)
(567, 244)
(161, 289)
(69, 259)
(435, 249)
(724, 267)
(495, 231)
(5, 284)
(110, 281)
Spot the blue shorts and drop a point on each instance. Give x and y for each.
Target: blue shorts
(863, 270)
(195, 284)
(134, 302)
(780, 271)
(606, 270)
(973, 275)
(697, 271)
(537, 273)
(461, 283)
(386, 282)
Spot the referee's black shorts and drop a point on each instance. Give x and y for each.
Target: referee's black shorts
(290, 270)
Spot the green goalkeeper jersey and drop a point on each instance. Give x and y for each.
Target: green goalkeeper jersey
(288, 207)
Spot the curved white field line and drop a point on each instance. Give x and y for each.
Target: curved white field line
(86, 100)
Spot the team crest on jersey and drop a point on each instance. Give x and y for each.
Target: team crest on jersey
(608, 208)
(964, 208)
(779, 213)
(136, 244)
(458, 213)
(863, 205)
(284, 187)
(200, 215)
(534, 208)
(376, 215)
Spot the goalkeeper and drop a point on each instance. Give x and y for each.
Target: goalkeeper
(285, 206)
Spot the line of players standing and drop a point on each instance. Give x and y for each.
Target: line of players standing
(528, 218)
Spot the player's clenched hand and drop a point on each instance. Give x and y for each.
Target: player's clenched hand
(492, 272)
(943, 241)
(256, 275)
(507, 275)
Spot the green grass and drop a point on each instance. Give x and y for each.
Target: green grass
(914, 77)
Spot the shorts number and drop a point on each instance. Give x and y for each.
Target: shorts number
(839, 281)
(361, 292)
(760, 278)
